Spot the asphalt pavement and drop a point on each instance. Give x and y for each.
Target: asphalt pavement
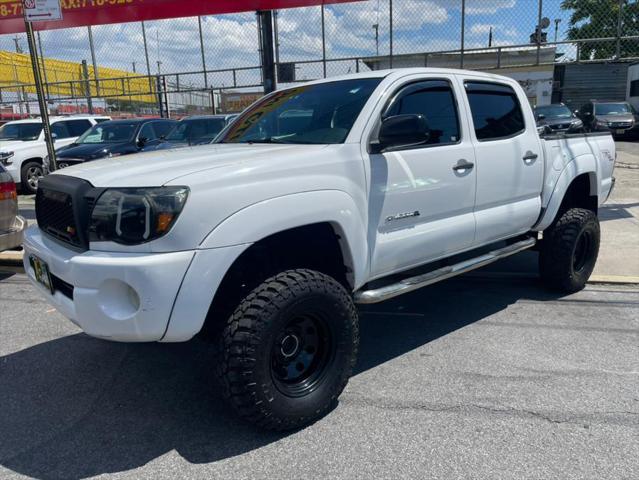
(470, 378)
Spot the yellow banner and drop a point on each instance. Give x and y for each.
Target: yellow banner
(15, 69)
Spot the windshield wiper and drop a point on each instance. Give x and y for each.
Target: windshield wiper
(265, 140)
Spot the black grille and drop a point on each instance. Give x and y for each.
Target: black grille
(54, 211)
(620, 124)
(63, 209)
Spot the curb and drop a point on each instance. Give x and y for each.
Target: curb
(11, 258)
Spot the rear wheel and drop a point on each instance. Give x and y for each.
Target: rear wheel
(31, 174)
(288, 350)
(569, 250)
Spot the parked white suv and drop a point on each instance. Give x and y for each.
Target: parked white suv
(23, 149)
(346, 190)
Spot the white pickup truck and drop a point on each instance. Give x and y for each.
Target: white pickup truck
(23, 149)
(336, 192)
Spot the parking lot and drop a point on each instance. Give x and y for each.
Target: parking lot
(487, 375)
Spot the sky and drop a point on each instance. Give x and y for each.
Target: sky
(230, 41)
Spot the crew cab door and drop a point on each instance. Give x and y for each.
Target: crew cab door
(509, 159)
(421, 200)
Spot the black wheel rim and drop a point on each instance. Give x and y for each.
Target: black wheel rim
(582, 251)
(301, 354)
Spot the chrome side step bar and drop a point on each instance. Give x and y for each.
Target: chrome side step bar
(413, 283)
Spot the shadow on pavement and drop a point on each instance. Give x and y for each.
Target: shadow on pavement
(77, 407)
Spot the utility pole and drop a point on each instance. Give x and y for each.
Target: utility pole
(16, 40)
(376, 28)
(199, 24)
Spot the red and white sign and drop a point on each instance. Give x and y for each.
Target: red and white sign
(42, 10)
(78, 13)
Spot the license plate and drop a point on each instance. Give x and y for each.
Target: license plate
(619, 132)
(41, 270)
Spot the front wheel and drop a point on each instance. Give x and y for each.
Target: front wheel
(288, 350)
(569, 250)
(31, 174)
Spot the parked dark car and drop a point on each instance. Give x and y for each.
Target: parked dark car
(112, 139)
(558, 118)
(11, 225)
(620, 118)
(196, 130)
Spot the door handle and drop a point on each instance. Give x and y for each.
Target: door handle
(530, 157)
(463, 165)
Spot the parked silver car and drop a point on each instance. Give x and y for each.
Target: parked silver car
(11, 225)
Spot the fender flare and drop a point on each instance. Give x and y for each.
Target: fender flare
(582, 164)
(260, 220)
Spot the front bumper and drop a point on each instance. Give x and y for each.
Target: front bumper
(131, 297)
(13, 238)
(124, 297)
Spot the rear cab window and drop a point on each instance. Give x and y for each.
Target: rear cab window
(495, 110)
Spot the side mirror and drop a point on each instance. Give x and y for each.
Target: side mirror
(54, 137)
(541, 116)
(141, 142)
(401, 131)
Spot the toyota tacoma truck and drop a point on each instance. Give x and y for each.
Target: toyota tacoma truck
(344, 191)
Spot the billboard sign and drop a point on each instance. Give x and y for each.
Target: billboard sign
(77, 13)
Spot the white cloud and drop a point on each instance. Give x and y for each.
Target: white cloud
(482, 7)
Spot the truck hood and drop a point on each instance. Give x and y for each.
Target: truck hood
(160, 167)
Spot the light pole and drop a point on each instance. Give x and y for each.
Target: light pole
(557, 22)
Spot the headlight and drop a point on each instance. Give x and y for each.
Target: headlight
(135, 215)
(5, 156)
(577, 123)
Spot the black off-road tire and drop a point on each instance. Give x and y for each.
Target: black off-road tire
(569, 250)
(258, 344)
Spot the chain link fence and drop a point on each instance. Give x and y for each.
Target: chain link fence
(190, 65)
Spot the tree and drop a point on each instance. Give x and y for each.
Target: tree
(599, 19)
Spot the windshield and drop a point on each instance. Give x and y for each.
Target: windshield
(196, 131)
(312, 114)
(554, 111)
(20, 131)
(612, 108)
(108, 133)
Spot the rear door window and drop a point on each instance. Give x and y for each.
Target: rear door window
(495, 110)
(78, 127)
(61, 130)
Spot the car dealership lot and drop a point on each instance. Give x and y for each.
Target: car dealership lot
(472, 377)
(486, 375)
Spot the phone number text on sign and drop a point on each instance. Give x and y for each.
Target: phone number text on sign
(13, 8)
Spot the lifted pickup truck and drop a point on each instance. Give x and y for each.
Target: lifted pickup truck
(342, 191)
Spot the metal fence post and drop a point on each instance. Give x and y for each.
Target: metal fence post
(323, 42)
(206, 80)
(390, 30)
(463, 33)
(538, 39)
(619, 27)
(268, 56)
